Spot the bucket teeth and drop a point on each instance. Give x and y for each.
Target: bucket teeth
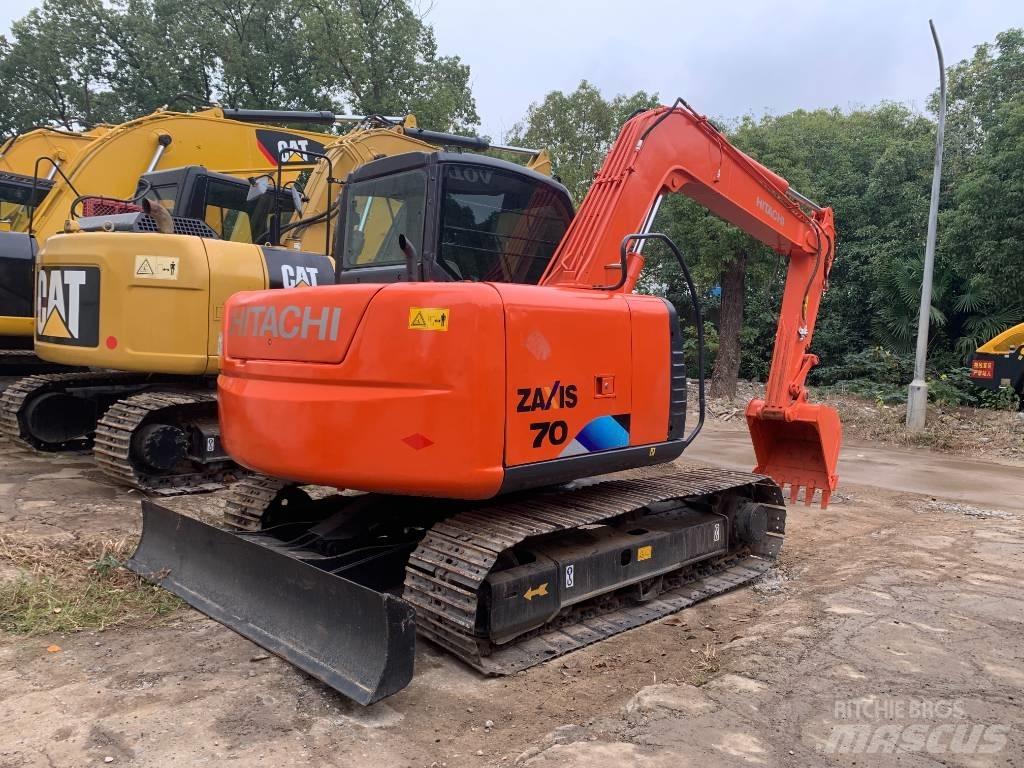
(798, 448)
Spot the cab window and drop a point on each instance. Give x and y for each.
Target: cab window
(498, 226)
(234, 218)
(379, 210)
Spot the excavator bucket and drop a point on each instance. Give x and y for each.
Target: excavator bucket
(800, 450)
(353, 638)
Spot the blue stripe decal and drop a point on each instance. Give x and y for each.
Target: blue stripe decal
(603, 434)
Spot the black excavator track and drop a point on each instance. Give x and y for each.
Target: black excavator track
(121, 422)
(18, 399)
(251, 499)
(446, 573)
(286, 582)
(105, 411)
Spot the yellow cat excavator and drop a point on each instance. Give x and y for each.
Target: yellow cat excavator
(146, 307)
(19, 157)
(44, 178)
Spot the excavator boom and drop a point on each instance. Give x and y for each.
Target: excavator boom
(675, 149)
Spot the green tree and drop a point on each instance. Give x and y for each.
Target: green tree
(147, 63)
(577, 128)
(975, 90)
(982, 256)
(75, 64)
(52, 65)
(384, 60)
(721, 258)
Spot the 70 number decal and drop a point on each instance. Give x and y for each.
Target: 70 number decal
(554, 432)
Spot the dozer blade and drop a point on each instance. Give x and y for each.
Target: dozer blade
(800, 450)
(358, 641)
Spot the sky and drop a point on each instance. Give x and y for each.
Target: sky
(725, 58)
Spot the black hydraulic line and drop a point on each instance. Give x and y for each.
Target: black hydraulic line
(321, 117)
(449, 139)
(814, 272)
(698, 315)
(679, 101)
(276, 229)
(35, 185)
(309, 221)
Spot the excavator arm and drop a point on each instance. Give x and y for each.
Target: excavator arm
(675, 149)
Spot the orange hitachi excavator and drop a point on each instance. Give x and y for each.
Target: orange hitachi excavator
(475, 416)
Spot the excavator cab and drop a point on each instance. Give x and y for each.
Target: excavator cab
(194, 194)
(201, 202)
(19, 193)
(448, 216)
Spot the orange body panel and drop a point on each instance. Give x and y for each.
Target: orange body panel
(404, 411)
(651, 379)
(553, 369)
(518, 375)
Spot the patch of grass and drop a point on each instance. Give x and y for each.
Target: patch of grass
(76, 586)
(706, 666)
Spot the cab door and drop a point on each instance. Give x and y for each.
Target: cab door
(378, 212)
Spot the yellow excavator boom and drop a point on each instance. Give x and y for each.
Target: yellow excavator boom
(111, 165)
(50, 147)
(19, 153)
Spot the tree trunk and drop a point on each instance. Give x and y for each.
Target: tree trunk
(730, 323)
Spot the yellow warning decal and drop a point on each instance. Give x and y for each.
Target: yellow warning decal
(644, 553)
(429, 318)
(157, 267)
(532, 592)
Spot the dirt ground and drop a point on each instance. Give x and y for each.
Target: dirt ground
(950, 428)
(899, 607)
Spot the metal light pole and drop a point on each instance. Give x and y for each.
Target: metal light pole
(917, 397)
